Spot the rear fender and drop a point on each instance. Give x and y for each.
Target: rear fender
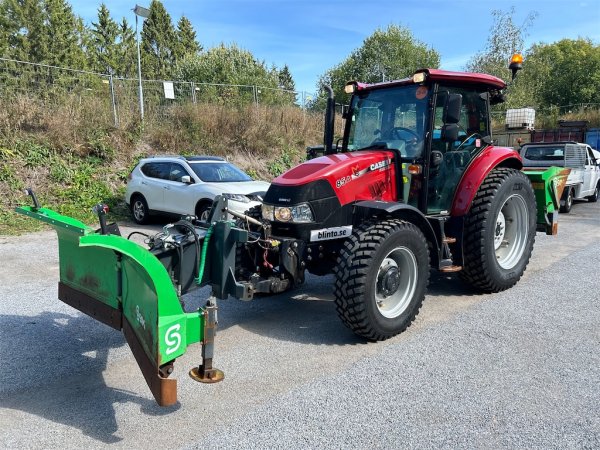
(482, 165)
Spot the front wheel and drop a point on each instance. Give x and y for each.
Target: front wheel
(203, 211)
(381, 278)
(499, 231)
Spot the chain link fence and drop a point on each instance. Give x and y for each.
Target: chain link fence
(117, 98)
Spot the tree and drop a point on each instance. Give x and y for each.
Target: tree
(285, 79)
(564, 73)
(104, 51)
(229, 65)
(126, 51)
(186, 39)
(505, 39)
(159, 43)
(64, 40)
(23, 34)
(387, 54)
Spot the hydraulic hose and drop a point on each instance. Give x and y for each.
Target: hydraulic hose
(203, 255)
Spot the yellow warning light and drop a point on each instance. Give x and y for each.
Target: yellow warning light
(517, 58)
(516, 64)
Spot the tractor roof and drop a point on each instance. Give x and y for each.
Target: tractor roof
(442, 76)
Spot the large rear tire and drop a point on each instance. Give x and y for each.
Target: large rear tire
(381, 278)
(499, 231)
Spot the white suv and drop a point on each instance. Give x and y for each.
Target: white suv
(188, 185)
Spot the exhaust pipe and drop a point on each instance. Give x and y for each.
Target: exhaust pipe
(329, 121)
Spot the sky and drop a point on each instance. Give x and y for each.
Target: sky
(312, 36)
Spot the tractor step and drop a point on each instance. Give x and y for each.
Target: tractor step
(451, 269)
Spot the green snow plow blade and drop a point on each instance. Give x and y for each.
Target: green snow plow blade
(548, 184)
(136, 290)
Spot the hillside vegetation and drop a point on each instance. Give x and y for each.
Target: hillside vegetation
(73, 160)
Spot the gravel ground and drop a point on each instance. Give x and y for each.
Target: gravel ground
(510, 370)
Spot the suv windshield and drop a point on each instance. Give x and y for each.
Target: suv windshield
(389, 118)
(219, 172)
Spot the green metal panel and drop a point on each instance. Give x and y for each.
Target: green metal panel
(149, 300)
(548, 184)
(93, 272)
(127, 277)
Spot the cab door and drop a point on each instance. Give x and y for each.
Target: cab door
(591, 175)
(449, 160)
(156, 174)
(180, 197)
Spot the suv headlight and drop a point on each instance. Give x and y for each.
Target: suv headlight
(237, 197)
(300, 213)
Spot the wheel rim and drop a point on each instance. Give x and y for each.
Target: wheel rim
(570, 199)
(511, 232)
(396, 282)
(139, 210)
(204, 215)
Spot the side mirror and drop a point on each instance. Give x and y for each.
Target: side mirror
(186, 179)
(452, 108)
(315, 151)
(450, 132)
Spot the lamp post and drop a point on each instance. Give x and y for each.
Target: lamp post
(140, 11)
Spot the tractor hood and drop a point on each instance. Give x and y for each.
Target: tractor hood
(360, 175)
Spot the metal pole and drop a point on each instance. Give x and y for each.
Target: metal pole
(139, 70)
(255, 96)
(193, 87)
(112, 96)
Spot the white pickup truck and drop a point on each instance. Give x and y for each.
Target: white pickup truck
(584, 162)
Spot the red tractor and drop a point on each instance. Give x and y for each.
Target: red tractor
(414, 183)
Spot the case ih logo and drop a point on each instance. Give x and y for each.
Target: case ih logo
(357, 173)
(381, 164)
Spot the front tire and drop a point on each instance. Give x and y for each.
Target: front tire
(203, 211)
(381, 278)
(499, 231)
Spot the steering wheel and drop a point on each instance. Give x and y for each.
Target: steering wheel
(395, 133)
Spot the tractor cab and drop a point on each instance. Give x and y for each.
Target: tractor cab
(435, 123)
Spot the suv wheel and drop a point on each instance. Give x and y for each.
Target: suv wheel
(202, 211)
(139, 210)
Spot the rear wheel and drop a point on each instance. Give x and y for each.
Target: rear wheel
(499, 231)
(566, 203)
(139, 210)
(381, 278)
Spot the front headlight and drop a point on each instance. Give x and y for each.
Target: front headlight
(298, 213)
(237, 197)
